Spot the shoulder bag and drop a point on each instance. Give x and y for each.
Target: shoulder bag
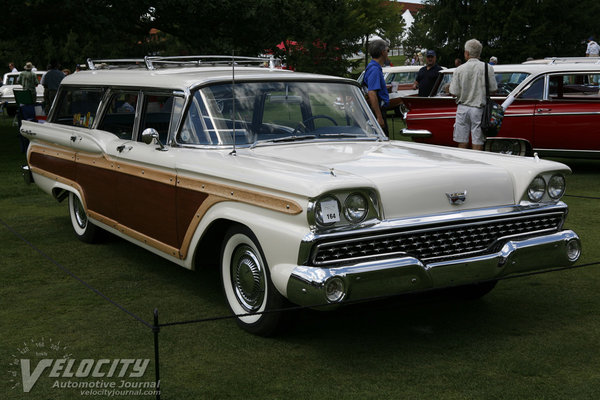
(491, 120)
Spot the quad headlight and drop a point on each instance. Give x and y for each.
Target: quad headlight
(556, 186)
(327, 211)
(356, 207)
(536, 189)
(552, 185)
(343, 208)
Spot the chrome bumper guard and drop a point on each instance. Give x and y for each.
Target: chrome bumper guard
(309, 286)
(27, 175)
(417, 133)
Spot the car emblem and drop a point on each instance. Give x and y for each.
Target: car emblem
(457, 198)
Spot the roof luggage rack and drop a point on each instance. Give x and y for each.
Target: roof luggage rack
(153, 62)
(565, 60)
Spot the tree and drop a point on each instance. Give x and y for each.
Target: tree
(70, 31)
(512, 30)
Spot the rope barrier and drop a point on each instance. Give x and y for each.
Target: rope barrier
(582, 197)
(155, 326)
(70, 273)
(369, 299)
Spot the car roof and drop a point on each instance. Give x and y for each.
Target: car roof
(542, 68)
(402, 68)
(186, 78)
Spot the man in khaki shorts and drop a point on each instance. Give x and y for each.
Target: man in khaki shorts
(468, 85)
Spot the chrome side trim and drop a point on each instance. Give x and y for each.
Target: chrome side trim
(568, 153)
(418, 133)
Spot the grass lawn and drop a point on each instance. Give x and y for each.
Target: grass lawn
(530, 338)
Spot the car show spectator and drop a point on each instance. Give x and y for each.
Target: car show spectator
(427, 76)
(12, 68)
(593, 50)
(28, 80)
(50, 81)
(468, 85)
(377, 94)
(493, 60)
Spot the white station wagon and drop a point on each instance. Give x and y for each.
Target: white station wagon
(286, 181)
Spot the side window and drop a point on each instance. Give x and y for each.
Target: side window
(77, 106)
(119, 116)
(535, 90)
(157, 109)
(572, 86)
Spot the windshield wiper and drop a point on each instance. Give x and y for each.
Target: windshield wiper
(342, 135)
(292, 138)
(283, 139)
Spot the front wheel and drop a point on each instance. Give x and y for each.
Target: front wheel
(84, 229)
(247, 284)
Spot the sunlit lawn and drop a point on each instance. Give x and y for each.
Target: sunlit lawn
(531, 338)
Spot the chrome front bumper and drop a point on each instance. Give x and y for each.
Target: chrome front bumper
(308, 285)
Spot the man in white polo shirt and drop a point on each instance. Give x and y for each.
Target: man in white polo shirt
(592, 48)
(468, 85)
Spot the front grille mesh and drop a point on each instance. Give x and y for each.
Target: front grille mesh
(437, 242)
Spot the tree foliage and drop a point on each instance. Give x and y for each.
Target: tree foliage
(70, 31)
(511, 30)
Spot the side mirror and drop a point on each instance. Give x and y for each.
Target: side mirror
(149, 134)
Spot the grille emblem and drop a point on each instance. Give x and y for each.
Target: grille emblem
(457, 198)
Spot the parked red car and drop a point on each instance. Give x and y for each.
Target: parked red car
(555, 112)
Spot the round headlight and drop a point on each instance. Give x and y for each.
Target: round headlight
(556, 186)
(356, 207)
(327, 211)
(536, 189)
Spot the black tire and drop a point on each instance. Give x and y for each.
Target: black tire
(247, 283)
(474, 291)
(83, 228)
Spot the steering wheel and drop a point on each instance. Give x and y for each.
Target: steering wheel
(302, 125)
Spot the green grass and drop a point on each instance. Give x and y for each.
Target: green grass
(530, 338)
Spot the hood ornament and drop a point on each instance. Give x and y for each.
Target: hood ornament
(457, 198)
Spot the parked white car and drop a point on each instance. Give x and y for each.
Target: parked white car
(9, 83)
(286, 181)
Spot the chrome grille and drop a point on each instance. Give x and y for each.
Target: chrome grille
(446, 241)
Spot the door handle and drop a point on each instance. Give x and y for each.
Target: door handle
(540, 110)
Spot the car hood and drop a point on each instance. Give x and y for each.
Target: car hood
(411, 179)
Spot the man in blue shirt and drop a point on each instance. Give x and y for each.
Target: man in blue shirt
(377, 94)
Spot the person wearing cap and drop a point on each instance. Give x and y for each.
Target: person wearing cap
(593, 50)
(28, 79)
(493, 60)
(427, 75)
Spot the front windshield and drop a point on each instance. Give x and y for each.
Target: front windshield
(276, 112)
(401, 77)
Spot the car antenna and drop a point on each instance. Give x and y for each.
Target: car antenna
(233, 152)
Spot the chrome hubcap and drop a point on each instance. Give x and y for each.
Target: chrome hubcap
(247, 278)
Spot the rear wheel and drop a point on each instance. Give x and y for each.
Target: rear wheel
(247, 283)
(84, 229)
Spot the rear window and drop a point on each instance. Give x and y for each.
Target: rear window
(77, 106)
